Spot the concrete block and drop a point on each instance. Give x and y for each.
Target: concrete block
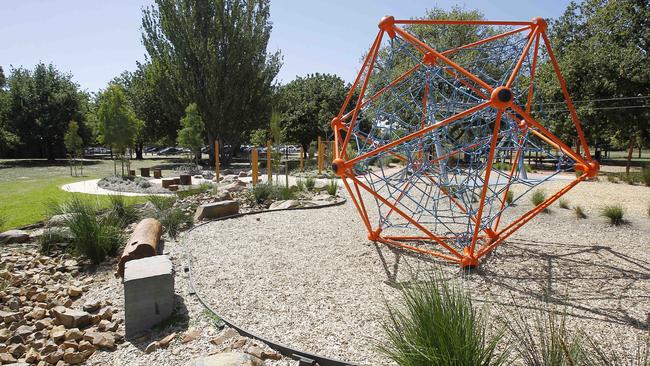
(148, 293)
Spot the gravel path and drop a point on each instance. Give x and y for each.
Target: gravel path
(312, 279)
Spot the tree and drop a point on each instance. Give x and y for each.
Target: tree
(117, 122)
(74, 144)
(155, 102)
(259, 137)
(215, 54)
(40, 105)
(8, 139)
(192, 135)
(307, 106)
(603, 50)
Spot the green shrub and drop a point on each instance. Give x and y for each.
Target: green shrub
(332, 187)
(538, 197)
(510, 197)
(93, 235)
(563, 203)
(174, 220)
(161, 202)
(580, 213)
(310, 183)
(300, 185)
(282, 193)
(614, 213)
(262, 192)
(436, 324)
(50, 238)
(121, 211)
(645, 175)
(204, 187)
(612, 178)
(544, 339)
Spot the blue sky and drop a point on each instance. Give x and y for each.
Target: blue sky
(97, 40)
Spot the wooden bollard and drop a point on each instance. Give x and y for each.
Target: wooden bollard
(177, 180)
(142, 243)
(186, 179)
(269, 173)
(254, 165)
(157, 173)
(167, 182)
(144, 172)
(131, 173)
(302, 159)
(216, 160)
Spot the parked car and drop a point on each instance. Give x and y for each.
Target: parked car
(170, 151)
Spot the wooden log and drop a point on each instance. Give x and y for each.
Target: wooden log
(142, 243)
(186, 179)
(157, 173)
(144, 172)
(168, 182)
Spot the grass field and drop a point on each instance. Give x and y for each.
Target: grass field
(28, 186)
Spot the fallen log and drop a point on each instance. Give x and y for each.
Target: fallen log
(142, 243)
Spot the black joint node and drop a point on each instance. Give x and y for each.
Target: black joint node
(335, 168)
(504, 95)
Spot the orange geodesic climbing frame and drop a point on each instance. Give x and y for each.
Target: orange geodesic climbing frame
(432, 138)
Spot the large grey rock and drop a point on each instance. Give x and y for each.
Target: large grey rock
(58, 220)
(148, 293)
(228, 359)
(14, 236)
(236, 186)
(281, 205)
(216, 210)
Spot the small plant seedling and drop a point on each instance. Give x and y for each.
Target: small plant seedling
(332, 187)
(510, 197)
(310, 183)
(564, 203)
(580, 213)
(614, 213)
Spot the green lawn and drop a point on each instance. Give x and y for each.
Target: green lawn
(27, 186)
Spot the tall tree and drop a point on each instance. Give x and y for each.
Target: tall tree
(602, 47)
(192, 134)
(216, 54)
(118, 124)
(8, 139)
(308, 105)
(41, 103)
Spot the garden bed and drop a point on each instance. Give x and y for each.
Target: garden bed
(311, 279)
(130, 184)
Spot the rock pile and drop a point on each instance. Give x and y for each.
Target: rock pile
(39, 321)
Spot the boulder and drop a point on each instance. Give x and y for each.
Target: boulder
(236, 186)
(70, 318)
(73, 334)
(228, 359)
(101, 339)
(14, 236)
(216, 210)
(281, 205)
(58, 220)
(73, 357)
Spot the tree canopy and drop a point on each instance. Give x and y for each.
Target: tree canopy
(118, 124)
(215, 52)
(308, 104)
(193, 131)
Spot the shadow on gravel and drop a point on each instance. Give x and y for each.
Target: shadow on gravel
(178, 322)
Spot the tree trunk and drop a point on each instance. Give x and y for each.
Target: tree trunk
(305, 150)
(211, 157)
(639, 151)
(138, 151)
(630, 150)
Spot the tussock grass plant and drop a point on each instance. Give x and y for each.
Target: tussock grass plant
(437, 324)
(204, 187)
(510, 197)
(544, 339)
(310, 183)
(174, 220)
(161, 202)
(50, 238)
(580, 213)
(332, 187)
(538, 197)
(93, 235)
(614, 213)
(645, 175)
(563, 203)
(612, 178)
(121, 211)
(300, 185)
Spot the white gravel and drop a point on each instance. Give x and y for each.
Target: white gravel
(311, 279)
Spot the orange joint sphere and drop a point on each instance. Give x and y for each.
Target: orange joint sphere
(338, 166)
(501, 97)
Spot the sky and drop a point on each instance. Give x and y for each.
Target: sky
(97, 40)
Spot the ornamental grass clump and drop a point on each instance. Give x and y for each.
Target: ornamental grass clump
(510, 197)
(580, 213)
(563, 203)
(332, 187)
(310, 183)
(121, 211)
(94, 235)
(544, 338)
(614, 213)
(437, 324)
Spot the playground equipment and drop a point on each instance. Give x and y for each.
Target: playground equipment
(458, 120)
